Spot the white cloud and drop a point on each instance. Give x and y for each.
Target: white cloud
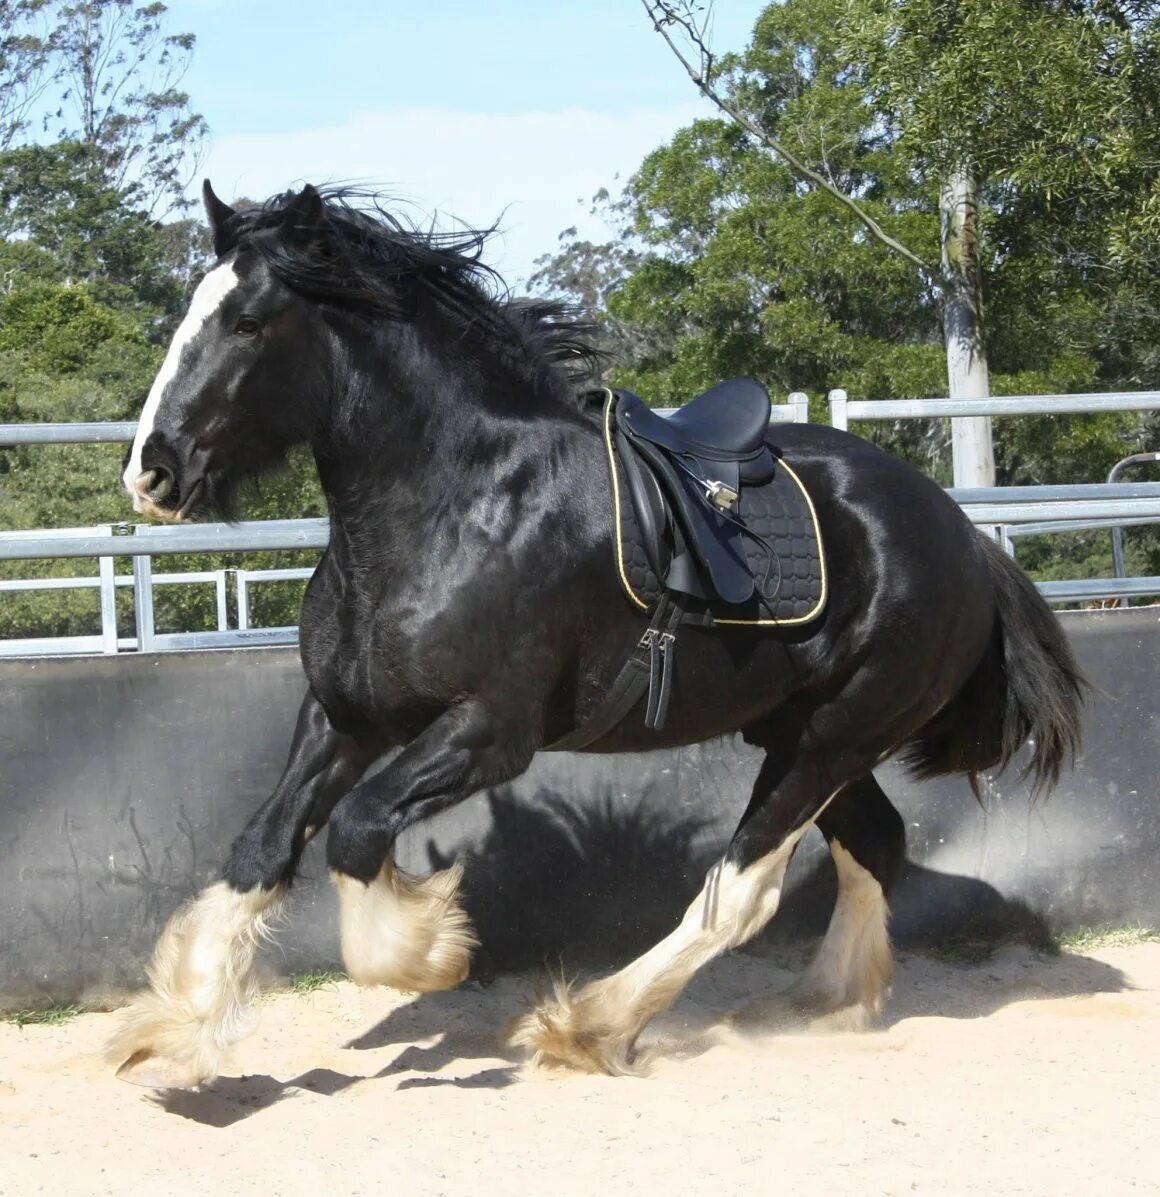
(527, 169)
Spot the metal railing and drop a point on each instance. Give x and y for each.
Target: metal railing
(142, 543)
(1013, 513)
(843, 409)
(1055, 516)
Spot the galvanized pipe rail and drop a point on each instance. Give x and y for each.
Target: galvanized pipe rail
(795, 410)
(149, 540)
(843, 409)
(66, 434)
(989, 505)
(1031, 504)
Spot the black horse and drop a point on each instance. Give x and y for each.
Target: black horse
(468, 610)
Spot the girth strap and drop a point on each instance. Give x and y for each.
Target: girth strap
(649, 668)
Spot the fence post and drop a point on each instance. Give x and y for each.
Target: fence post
(839, 408)
(242, 577)
(1119, 566)
(223, 614)
(108, 601)
(143, 602)
(799, 402)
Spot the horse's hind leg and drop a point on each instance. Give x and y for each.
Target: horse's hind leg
(852, 969)
(202, 977)
(594, 1029)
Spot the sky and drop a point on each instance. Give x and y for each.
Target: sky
(480, 110)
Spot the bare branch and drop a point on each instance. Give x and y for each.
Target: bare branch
(664, 17)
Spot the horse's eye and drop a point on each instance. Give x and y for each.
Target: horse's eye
(247, 326)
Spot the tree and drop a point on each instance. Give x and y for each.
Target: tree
(58, 199)
(24, 57)
(92, 282)
(121, 73)
(737, 266)
(935, 81)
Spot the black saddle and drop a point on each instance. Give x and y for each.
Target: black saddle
(685, 474)
(712, 527)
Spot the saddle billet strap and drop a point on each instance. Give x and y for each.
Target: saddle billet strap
(662, 664)
(636, 675)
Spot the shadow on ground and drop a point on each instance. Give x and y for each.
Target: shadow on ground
(562, 887)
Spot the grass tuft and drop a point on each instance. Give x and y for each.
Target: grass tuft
(312, 981)
(1085, 939)
(51, 1016)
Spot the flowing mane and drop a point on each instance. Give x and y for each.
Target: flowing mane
(367, 258)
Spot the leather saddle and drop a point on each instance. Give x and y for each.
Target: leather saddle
(712, 527)
(685, 475)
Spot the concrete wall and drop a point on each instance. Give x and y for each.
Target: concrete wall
(123, 781)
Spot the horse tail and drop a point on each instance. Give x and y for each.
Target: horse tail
(1027, 686)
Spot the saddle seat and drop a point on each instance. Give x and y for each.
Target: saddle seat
(728, 421)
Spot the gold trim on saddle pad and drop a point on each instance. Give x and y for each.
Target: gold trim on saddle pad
(643, 604)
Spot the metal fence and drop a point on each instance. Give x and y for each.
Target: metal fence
(1055, 519)
(1010, 513)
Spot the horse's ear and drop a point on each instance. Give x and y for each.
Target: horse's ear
(303, 214)
(219, 215)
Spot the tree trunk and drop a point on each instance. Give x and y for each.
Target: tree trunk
(974, 462)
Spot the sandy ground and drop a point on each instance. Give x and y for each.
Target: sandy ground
(1022, 1075)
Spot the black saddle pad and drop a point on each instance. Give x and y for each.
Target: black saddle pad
(784, 554)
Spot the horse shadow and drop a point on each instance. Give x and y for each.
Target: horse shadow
(441, 1016)
(559, 886)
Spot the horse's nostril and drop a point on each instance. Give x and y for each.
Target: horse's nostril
(155, 484)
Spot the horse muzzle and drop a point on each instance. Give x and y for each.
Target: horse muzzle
(156, 494)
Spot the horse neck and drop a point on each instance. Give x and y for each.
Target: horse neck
(420, 417)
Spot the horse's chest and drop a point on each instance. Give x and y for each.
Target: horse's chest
(364, 671)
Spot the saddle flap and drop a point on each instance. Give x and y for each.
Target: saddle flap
(648, 505)
(713, 537)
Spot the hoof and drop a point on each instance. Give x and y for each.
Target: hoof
(852, 1007)
(156, 1072)
(820, 1012)
(160, 1046)
(567, 1031)
(409, 933)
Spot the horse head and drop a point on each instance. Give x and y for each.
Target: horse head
(234, 391)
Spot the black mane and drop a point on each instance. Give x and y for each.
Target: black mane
(366, 258)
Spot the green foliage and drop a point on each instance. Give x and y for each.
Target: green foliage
(304, 983)
(1057, 98)
(58, 199)
(24, 65)
(1088, 939)
(51, 1016)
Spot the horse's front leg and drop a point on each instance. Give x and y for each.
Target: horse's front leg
(203, 982)
(408, 932)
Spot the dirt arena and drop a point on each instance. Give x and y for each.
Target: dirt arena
(1020, 1075)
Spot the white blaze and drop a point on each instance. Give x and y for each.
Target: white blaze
(208, 297)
